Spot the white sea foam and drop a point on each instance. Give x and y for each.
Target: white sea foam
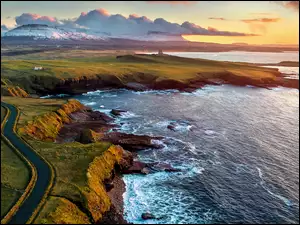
(90, 103)
(47, 96)
(262, 183)
(55, 96)
(157, 92)
(142, 195)
(126, 115)
(209, 132)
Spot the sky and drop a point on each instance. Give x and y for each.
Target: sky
(252, 22)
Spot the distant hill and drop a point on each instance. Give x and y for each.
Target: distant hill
(44, 32)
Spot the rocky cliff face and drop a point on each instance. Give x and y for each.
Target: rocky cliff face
(101, 169)
(47, 126)
(14, 91)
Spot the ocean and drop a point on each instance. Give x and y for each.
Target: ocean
(237, 148)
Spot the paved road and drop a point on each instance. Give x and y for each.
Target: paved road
(43, 170)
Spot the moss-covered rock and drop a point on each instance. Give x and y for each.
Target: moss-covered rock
(46, 127)
(14, 91)
(97, 200)
(89, 136)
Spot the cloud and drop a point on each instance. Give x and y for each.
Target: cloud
(29, 18)
(294, 5)
(197, 30)
(173, 2)
(261, 14)
(257, 28)
(101, 21)
(259, 24)
(217, 18)
(261, 20)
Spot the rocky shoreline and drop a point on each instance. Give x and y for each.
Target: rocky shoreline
(88, 126)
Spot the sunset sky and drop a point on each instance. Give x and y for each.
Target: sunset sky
(262, 22)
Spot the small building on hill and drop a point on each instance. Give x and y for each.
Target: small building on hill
(38, 68)
(160, 52)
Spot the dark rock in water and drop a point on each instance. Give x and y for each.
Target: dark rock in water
(117, 112)
(96, 115)
(109, 186)
(172, 170)
(136, 86)
(145, 170)
(136, 167)
(190, 89)
(162, 167)
(171, 127)
(132, 142)
(148, 216)
(90, 116)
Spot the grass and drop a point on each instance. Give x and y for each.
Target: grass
(165, 66)
(8, 198)
(32, 107)
(14, 175)
(127, 69)
(71, 162)
(61, 209)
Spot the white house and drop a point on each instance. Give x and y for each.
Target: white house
(38, 68)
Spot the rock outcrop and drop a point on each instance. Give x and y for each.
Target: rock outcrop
(117, 112)
(46, 127)
(89, 136)
(132, 142)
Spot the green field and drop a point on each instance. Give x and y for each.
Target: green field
(70, 161)
(162, 66)
(14, 175)
(129, 68)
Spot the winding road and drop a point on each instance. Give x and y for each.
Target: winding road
(43, 170)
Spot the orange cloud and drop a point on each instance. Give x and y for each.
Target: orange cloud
(259, 24)
(212, 29)
(261, 20)
(289, 4)
(217, 18)
(261, 14)
(173, 2)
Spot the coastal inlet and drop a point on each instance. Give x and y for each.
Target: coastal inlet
(233, 147)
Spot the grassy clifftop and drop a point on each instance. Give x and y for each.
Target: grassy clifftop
(77, 75)
(78, 194)
(46, 127)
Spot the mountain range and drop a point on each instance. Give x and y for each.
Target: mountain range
(46, 32)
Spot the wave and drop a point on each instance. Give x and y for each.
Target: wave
(157, 92)
(263, 184)
(126, 115)
(55, 96)
(142, 195)
(90, 103)
(202, 91)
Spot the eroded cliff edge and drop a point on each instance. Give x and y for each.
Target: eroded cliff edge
(85, 173)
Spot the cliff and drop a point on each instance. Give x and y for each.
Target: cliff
(46, 126)
(97, 200)
(137, 72)
(14, 91)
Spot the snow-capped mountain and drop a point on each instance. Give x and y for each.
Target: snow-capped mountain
(45, 32)
(4, 29)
